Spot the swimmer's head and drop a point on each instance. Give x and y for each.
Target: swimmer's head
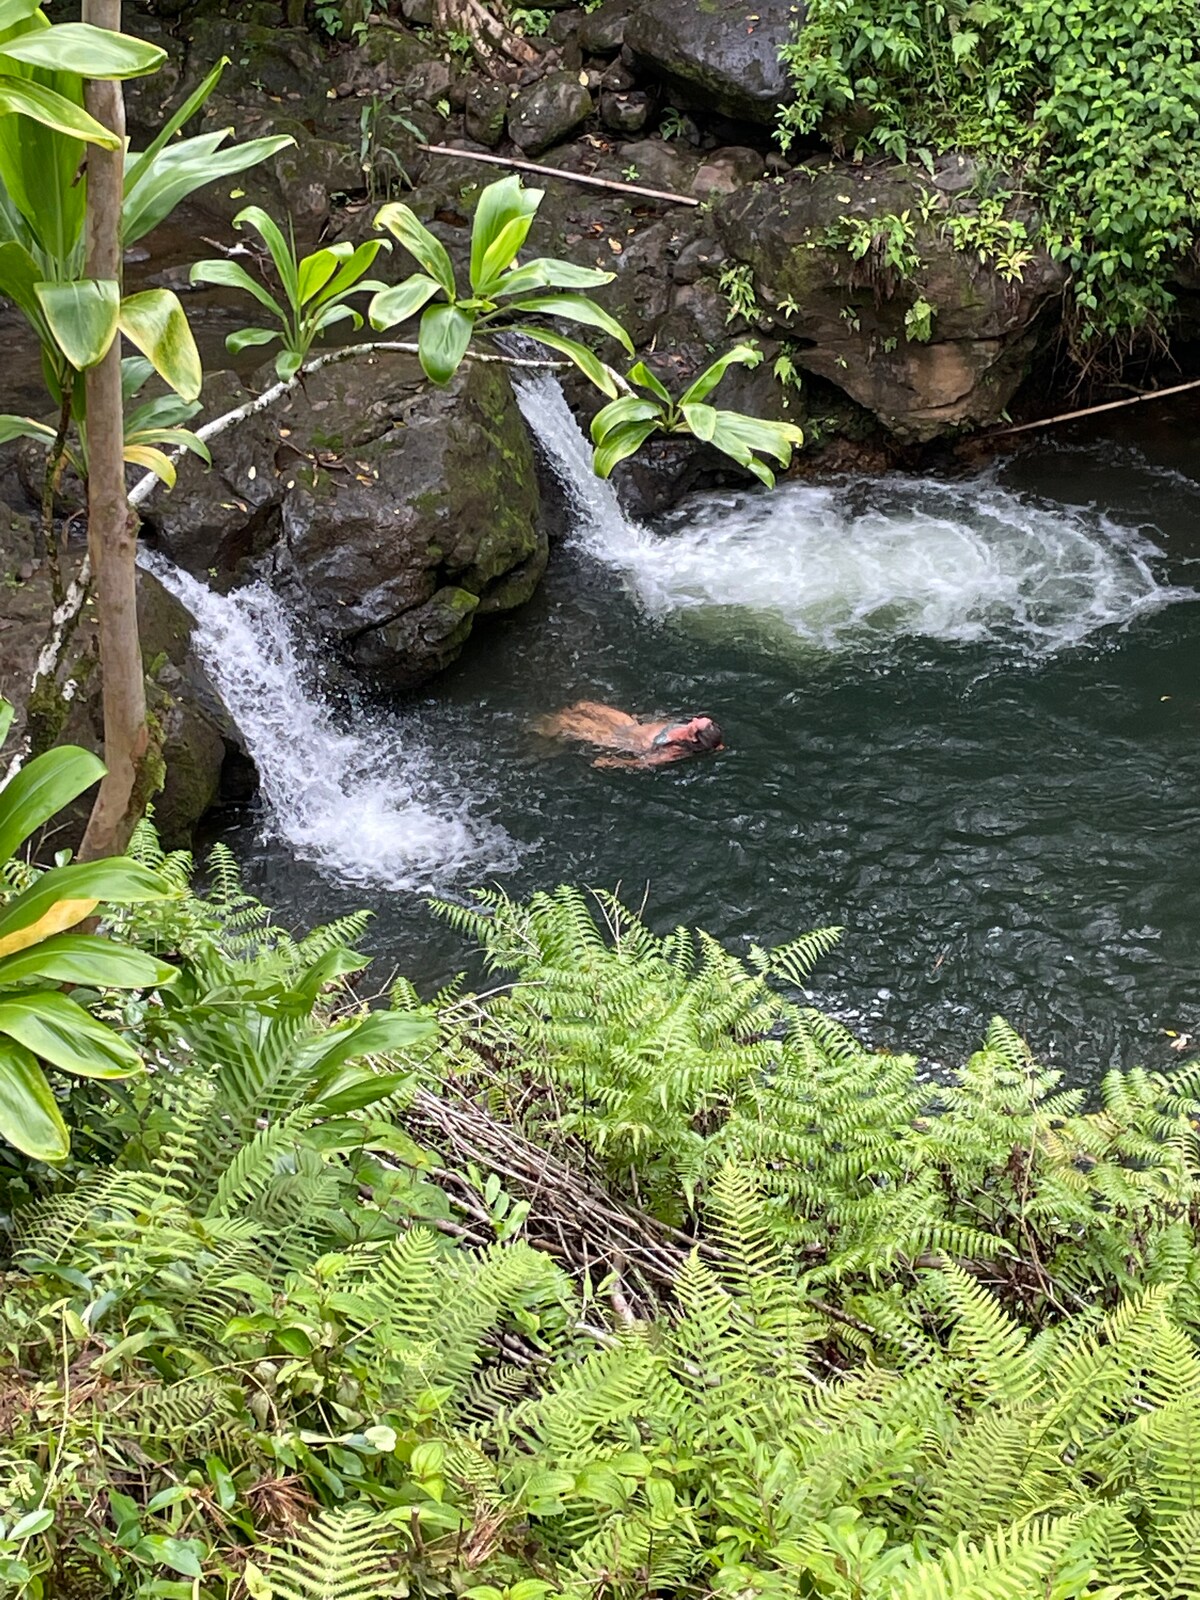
(696, 733)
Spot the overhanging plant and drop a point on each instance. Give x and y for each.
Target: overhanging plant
(41, 1026)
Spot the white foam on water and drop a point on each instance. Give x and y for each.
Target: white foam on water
(367, 804)
(865, 561)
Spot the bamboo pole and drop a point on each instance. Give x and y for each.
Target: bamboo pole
(555, 172)
(1094, 411)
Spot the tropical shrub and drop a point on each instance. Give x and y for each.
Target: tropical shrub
(622, 427)
(41, 1025)
(1093, 106)
(316, 289)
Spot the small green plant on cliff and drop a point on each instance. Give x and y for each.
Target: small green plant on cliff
(736, 283)
(885, 245)
(621, 428)
(1095, 104)
(1003, 242)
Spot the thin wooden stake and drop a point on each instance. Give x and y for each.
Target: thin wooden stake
(1093, 411)
(554, 172)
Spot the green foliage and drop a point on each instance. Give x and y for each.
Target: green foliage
(736, 283)
(41, 1025)
(501, 293)
(316, 289)
(1094, 105)
(621, 428)
(925, 1341)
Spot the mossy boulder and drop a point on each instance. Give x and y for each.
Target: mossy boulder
(391, 513)
(920, 304)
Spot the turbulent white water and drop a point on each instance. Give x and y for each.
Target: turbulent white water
(866, 561)
(367, 805)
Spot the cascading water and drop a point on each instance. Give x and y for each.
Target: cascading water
(851, 566)
(367, 805)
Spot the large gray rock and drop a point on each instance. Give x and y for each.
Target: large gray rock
(848, 317)
(546, 112)
(391, 513)
(717, 55)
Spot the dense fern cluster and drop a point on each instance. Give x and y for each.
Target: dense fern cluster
(924, 1340)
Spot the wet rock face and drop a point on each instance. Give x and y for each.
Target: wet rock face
(716, 55)
(390, 513)
(200, 744)
(544, 114)
(848, 318)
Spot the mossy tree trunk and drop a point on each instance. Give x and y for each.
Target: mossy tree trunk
(112, 526)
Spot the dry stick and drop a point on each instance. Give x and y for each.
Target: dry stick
(554, 172)
(1092, 411)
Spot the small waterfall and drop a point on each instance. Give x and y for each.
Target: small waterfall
(368, 804)
(854, 565)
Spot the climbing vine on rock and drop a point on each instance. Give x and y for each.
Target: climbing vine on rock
(1093, 105)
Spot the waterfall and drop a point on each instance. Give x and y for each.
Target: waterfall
(853, 565)
(365, 801)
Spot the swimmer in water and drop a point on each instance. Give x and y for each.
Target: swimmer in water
(628, 741)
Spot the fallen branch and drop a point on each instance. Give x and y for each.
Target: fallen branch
(1094, 411)
(555, 172)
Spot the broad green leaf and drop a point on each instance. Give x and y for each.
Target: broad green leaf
(42, 787)
(164, 411)
(401, 301)
(500, 205)
(501, 254)
(14, 11)
(283, 253)
(24, 97)
(247, 338)
(181, 169)
(228, 275)
(29, 1116)
(88, 959)
(24, 428)
(747, 355)
(588, 363)
(645, 379)
(624, 440)
(328, 315)
(117, 879)
(405, 226)
(702, 420)
(90, 52)
(178, 119)
(378, 1033)
(576, 308)
(83, 317)
(19, 278)
(317, 269)
(134, 372)
(152, 460)
(549, 273)
(775, 439)
(352, 269)
(157, 324)
(443, 340)
(355, 1088)
(629, 408)
(173, 439)
(7, 712)
(58, 1030)
(288, 363)
(62, 914)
